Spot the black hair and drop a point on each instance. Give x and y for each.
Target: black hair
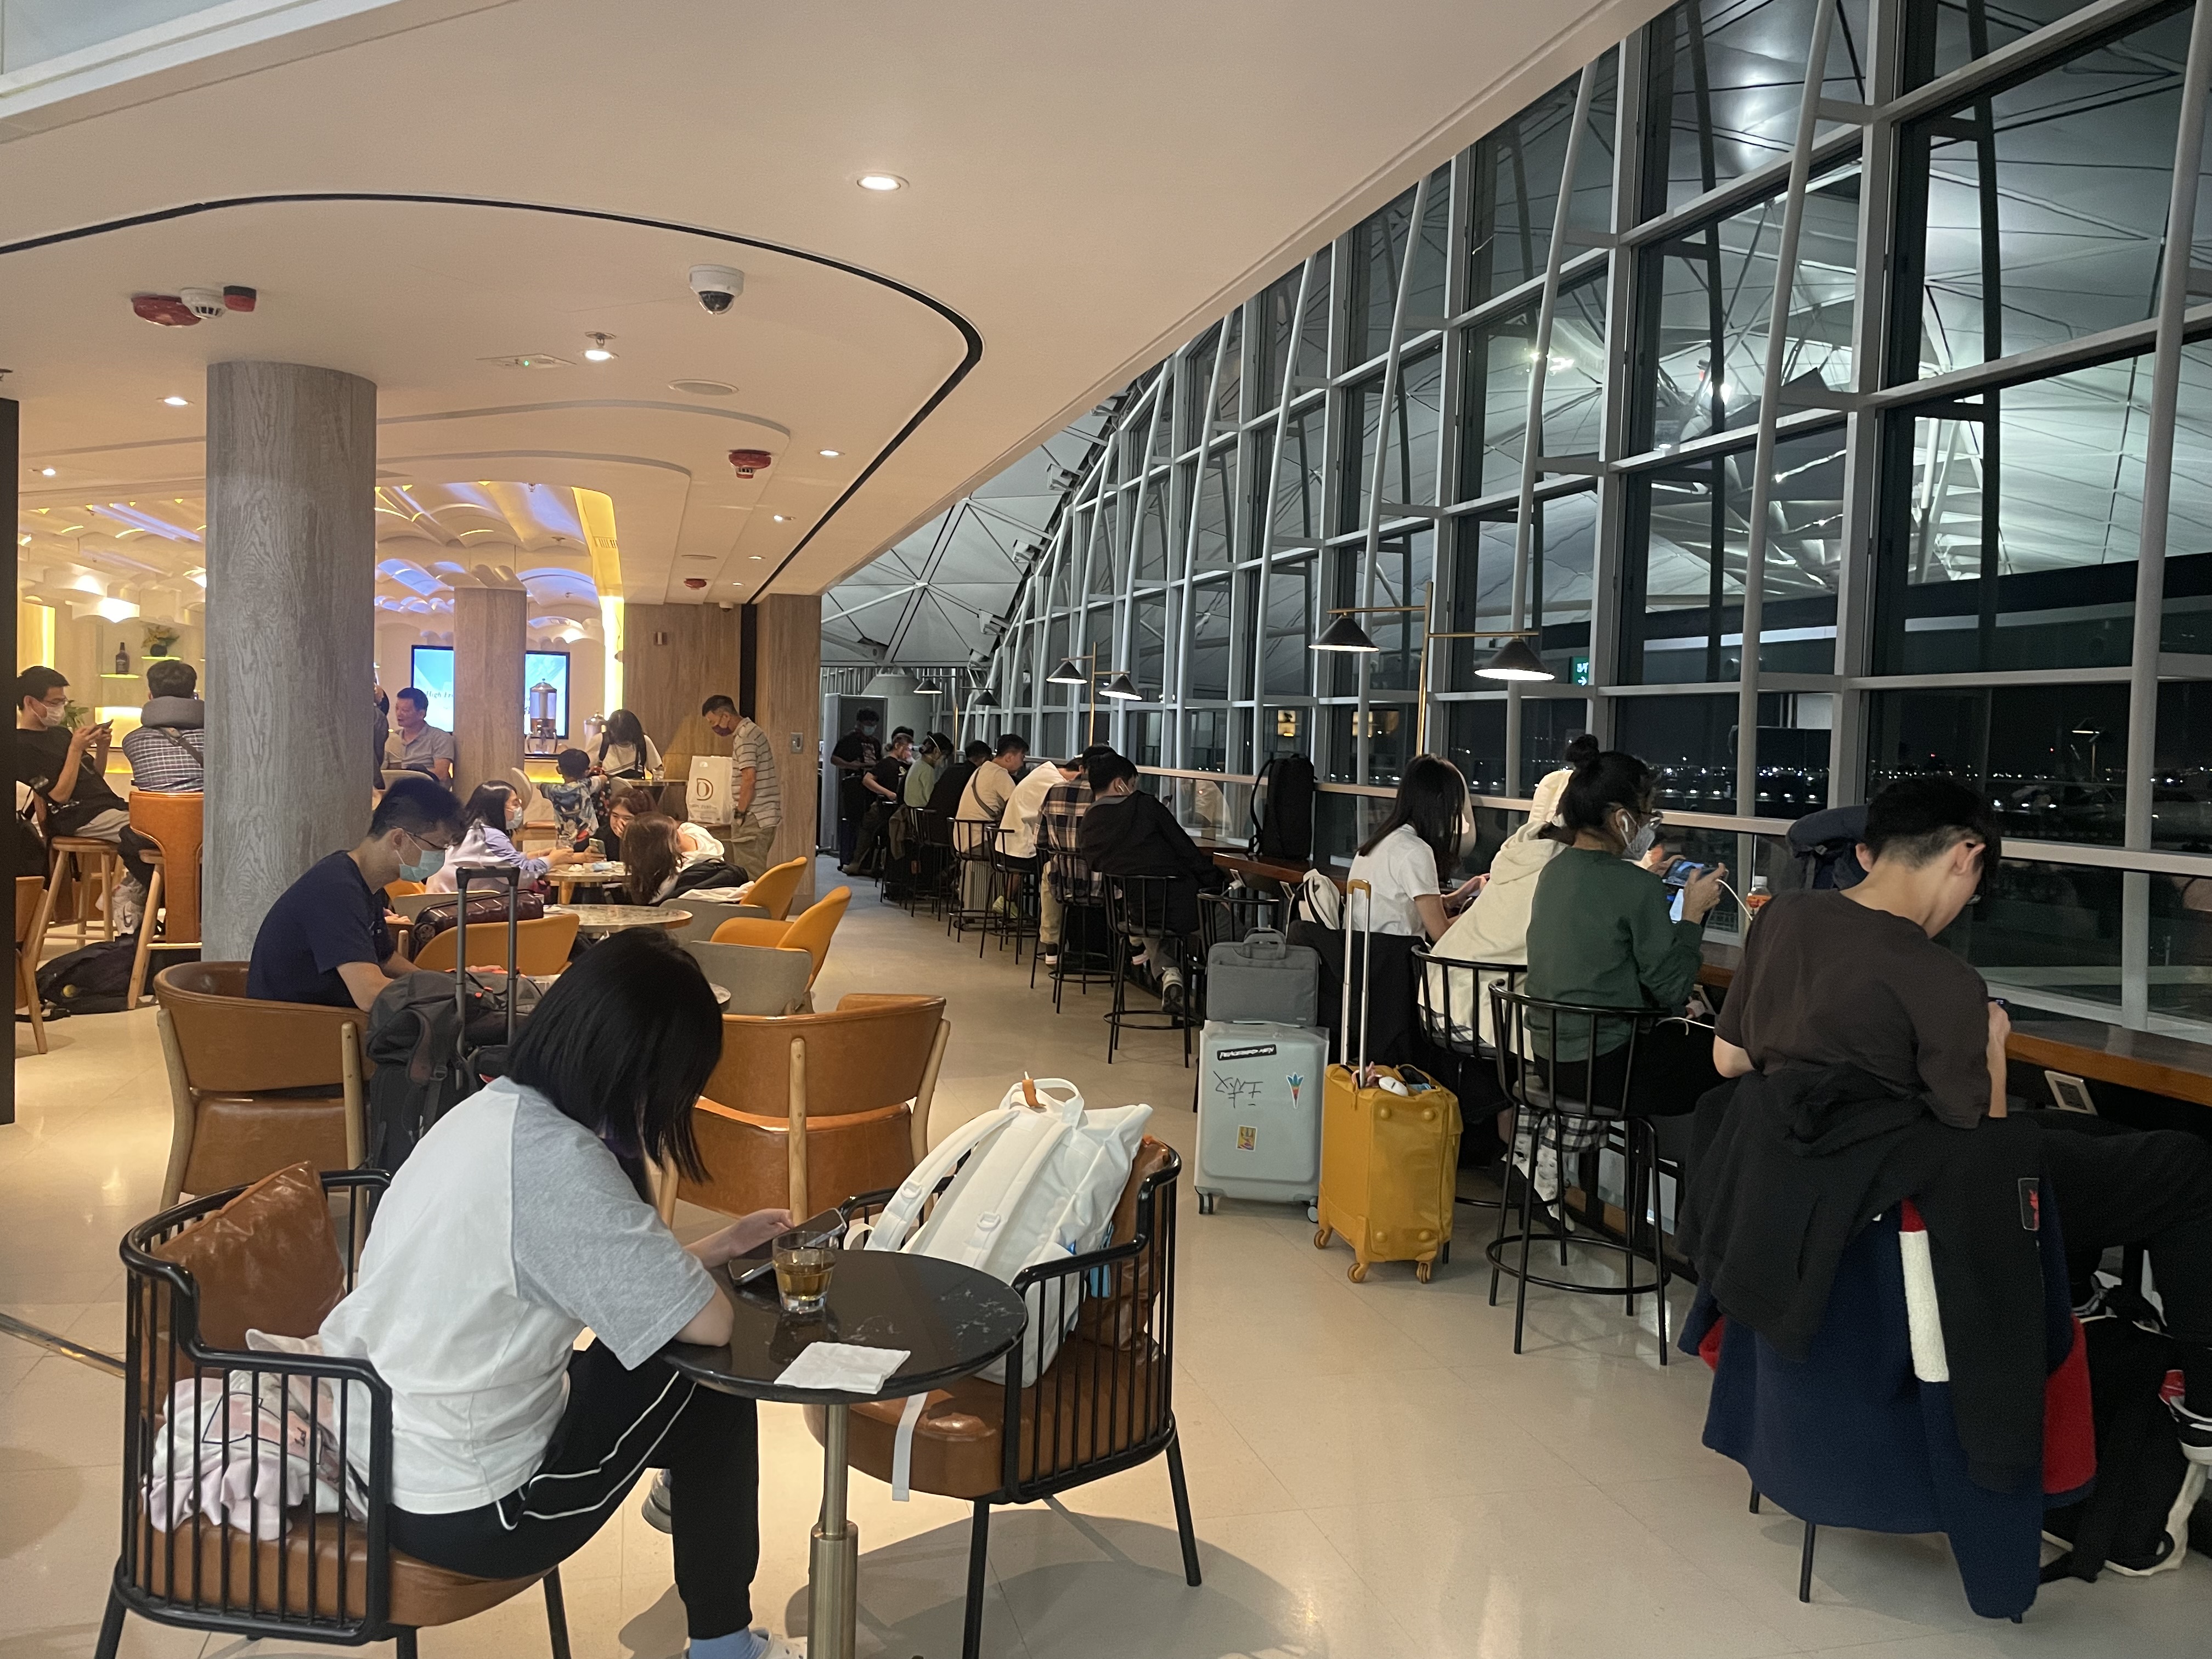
(34, 683)
(623, 1043)
(1091, 752)
(1611, 780)
(1918, 818)
(383, 700)
(623, 726)
(416, 803)
(718, 704)
(168, 678)
(1432, 801)
(572, 764)
(901, 731)
(1582, 750)
(1013, 744)
(414, 694)
(488, 806)
(978, 751)
(1110, 769)
(945, 743)
(867, 717)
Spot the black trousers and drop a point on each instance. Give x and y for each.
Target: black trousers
(2153, 1188)
(618, 1424)
(873, 830)
(134, 848)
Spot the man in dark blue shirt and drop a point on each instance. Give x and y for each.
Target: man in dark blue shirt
(325, 940)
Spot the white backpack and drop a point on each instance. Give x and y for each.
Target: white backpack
(1040, 1183)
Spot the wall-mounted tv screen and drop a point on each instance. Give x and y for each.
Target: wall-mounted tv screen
(432, 669)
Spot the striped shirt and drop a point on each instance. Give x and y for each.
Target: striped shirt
(751, 748)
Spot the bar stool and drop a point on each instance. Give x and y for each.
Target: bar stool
(1453, 996)
(1083, 928)
(974, 840)
(1137, 908)
(103, 871)
(1013, 904)
(1577, 1114)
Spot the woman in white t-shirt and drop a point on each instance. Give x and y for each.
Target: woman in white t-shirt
(1404, 862)
(521, 1220)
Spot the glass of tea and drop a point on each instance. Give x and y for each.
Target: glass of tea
(803, 1265)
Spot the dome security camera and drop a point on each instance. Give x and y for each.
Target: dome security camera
(717, 287)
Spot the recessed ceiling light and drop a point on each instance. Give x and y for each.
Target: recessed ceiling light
(831, 454)
(880, 181)
(597, 351)
(46, 472)
(757, 558)
(174, 401)
(703, 388)
(778, 517)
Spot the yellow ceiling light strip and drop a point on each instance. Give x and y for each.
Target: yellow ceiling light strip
(595, 511)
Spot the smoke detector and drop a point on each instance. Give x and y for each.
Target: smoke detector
(205, 303)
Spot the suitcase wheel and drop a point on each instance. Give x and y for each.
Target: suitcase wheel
(1206, 1203)
(1322, 1236)
(1357, 1275)
(1313, 1211)
(1425, 1271)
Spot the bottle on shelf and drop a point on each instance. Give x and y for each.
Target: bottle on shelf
(1755, 899)
(122, 659)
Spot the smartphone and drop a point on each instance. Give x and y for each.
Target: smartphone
(1684, 873)
(762, 1258)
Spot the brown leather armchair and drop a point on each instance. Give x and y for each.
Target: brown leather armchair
(804, 1110)
(175, 824)
(254, 1086)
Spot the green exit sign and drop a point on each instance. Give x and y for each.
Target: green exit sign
(1578, 671)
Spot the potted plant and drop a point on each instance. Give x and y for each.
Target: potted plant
(160, 636)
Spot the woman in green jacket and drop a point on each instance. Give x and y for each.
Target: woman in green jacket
(1599, 935)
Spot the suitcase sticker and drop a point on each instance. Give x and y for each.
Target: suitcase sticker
(1247, 1137)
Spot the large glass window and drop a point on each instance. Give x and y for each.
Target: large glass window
(1726, 79)
(1298, 473)
(2051, 759)
(1563, 548)
(1515, 174)
(1379, 249)
(1498, 363)
(1709, 306)
(1289, 629)
(1215, 513)
(1409, 441)
(2043, 204)
(1942, 36)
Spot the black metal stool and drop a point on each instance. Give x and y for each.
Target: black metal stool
(975, 840)
(1451, 995)
(1082, 930)
(1578, 1115)
(1137, 909)
(1012, 906)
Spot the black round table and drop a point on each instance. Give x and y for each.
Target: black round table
(951, 1320)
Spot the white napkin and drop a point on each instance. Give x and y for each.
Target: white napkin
(847, 1367)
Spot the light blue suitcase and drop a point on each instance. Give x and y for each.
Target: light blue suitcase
(1258, 1112)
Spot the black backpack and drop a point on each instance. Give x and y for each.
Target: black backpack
(427, 1059)
(2138, 1515)
(1282, 810)
(95, 980)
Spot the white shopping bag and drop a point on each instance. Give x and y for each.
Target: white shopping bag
(712, 790)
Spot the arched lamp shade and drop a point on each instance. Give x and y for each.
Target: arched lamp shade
(1344, 634)
(888, 682)
(1124, 688)
(929, 689)
(984, 700)
(1515, 661)
(1068, 674)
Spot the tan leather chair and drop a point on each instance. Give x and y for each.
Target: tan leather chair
(175, 824)
(30, 897)
(268, 1258)
(811, 932)
(804, 1111)
(541, 945)
(238, 1069)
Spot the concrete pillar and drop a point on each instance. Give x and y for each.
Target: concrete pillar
(291, 564)
(491, 635)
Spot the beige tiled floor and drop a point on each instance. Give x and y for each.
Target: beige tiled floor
(1374, 1474)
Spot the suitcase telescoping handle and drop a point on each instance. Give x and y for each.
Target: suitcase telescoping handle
(1367, 960)
(484, 875)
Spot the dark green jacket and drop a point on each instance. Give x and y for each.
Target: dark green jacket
(1599, 934)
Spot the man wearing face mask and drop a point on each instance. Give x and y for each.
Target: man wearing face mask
(1600, 935)
(324, 939)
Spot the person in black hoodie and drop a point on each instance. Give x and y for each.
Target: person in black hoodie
(1128, 832)
(1836, 981)
(945, 795)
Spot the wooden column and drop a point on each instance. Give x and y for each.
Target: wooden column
(11, 463)
(492, 633)
(291, 564)
(674, 658)
(787, 680)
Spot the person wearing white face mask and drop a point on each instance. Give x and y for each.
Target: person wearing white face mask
(1599, 935)
(494, 817)
(324, 939)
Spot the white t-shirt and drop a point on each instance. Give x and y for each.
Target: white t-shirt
(1401, 869)
(509, 1230)
(1022, 807)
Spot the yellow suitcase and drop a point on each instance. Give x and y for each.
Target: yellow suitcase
(1389, 1161)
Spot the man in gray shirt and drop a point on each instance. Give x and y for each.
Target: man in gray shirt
(416, 745)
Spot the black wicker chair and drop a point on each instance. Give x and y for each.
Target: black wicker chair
(294, 1574)
(1451, 995)
(1104, 1404)
(1137, 912)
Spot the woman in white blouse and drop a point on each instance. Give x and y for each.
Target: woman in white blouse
(624, 750)
(1404, 863)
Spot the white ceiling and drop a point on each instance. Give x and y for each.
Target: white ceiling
(1087, 184)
